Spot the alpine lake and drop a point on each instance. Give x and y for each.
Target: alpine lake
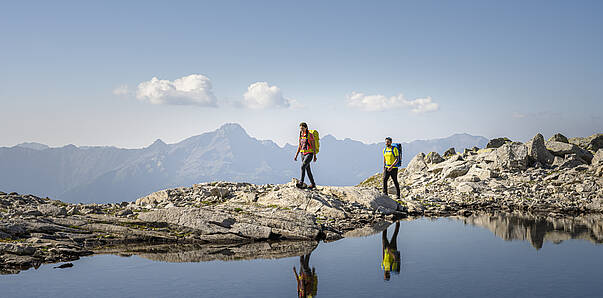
(488, 255)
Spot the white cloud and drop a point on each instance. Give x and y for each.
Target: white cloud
(260, 95)
(381, 103)
(193, 89)
(121, 90)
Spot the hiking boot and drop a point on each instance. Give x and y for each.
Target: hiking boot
(313, 186)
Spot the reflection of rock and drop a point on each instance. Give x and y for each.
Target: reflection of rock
(538, 229)
(177, 253)
(368, 230)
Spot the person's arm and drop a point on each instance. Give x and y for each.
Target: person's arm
(298, 149)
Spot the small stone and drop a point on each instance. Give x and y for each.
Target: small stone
(51, 210)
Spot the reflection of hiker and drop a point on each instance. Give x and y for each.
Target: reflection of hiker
(391, 254)
(308, 146)
(307, 281)
(391, 160)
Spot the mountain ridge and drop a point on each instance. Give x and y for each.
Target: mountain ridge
(112, 174)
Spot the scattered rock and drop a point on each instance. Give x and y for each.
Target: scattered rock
(496, 143)
(597, 158)
(51, 210)
(571, 161)
(450, 152)
(592, 143)
(433, 157)
(558, 138)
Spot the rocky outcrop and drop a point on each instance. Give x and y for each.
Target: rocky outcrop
(37, 230)
(512, 177)
(562, 149)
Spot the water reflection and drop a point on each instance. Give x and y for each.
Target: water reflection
(178, 253)
(538, 229)
(390, 254)
(307, 280)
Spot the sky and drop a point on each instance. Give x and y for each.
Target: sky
(124, 73)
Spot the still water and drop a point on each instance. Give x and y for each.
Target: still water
(482, 256)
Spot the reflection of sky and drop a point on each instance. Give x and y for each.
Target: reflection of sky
(440, 257)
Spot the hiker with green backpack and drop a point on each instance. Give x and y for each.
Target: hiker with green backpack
(391, 161)
(308, 146)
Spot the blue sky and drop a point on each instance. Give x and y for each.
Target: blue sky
(72, 72)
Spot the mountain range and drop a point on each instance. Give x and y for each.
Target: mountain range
(104, 174)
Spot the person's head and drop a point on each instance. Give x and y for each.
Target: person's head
(386, 275)
(388, 141)
(303, 127)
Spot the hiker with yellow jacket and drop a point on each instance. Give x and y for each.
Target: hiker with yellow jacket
(391, 161)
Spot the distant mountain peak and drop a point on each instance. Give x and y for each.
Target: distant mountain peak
(232, 129)
(231, 126)
(158, 144)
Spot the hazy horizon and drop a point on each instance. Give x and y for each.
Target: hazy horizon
(279, 145)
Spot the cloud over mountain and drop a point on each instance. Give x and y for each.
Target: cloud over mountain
(194, 89)
(260, 95)
(380, 103)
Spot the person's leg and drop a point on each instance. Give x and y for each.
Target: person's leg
(385, 177)
(384, 241)
(310, 156)
(394, 174)
(307, 261)
(303, 168)
(394, 242)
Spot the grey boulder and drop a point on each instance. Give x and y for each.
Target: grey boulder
(537, 150)
(512, 156)
(561, 149)
(496, 143)
(416, 164)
